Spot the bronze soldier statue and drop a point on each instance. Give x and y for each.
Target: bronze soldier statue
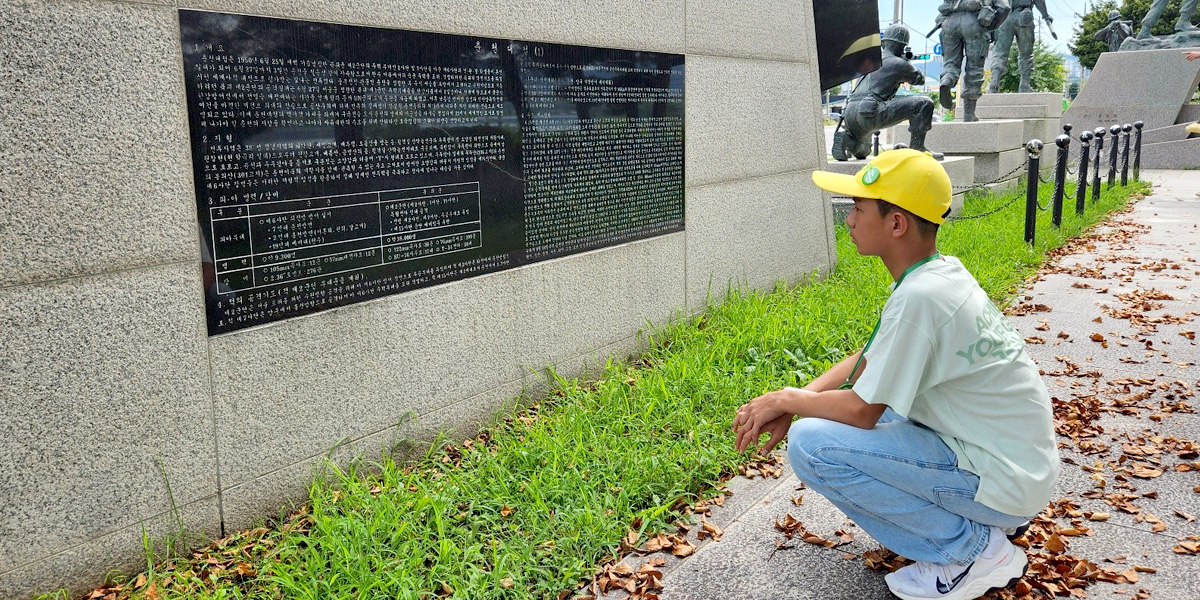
(1019, 25)
(873, 106)
(1186, 8)
(965, 25)
(1115, 31)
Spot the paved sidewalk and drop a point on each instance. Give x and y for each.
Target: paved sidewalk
(1118, 354)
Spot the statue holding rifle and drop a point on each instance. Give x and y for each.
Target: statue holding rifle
(873, 104)
(1019, 25)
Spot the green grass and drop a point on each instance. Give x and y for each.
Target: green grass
(531, 507)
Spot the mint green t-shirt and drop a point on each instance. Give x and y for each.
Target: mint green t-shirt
(946, 358)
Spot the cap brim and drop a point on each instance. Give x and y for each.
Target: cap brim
(840, 183)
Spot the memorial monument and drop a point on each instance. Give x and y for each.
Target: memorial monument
(1112, 97)
(1019, 25)
(873, 104)
(965, 25)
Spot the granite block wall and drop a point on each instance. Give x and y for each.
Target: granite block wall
(123, 417)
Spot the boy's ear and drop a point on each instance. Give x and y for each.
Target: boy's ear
(899, 223)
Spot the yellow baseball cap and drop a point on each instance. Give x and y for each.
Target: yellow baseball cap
(1193, 127)
(907, 178)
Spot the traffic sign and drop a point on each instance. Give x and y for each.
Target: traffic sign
(937, 49)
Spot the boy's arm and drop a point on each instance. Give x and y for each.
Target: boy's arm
(836, 375)
(772, 412)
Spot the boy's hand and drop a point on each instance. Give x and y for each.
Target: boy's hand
(758, 416)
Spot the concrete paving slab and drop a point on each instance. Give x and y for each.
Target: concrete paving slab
(752, 567)
(1177, 577)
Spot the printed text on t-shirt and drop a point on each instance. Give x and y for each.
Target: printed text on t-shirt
(997, 338)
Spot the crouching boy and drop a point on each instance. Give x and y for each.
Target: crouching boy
(937, 437)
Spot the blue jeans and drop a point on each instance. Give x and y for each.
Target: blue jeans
(899, 482)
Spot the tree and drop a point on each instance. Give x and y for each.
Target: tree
(1083, 44)
(1048, 75)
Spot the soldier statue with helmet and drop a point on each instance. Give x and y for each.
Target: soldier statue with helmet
(873, 104)
(1115, 31)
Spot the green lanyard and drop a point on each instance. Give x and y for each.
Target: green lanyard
(847, 385)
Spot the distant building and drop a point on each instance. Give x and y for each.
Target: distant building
(1075, 70)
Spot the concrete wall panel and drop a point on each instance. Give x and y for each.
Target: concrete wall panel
(103, 379)
(570, 307)
(107, 370)
(748, 118)
(290, 390)
(754, 233)
(772, 30)
(632, 24)
(95, 173)
(86, 565)
(278, 492)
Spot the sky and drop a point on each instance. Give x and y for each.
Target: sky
(918, 15)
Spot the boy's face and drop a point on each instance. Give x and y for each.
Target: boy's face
(868, 229)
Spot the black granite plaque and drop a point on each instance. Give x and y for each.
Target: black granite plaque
(334, 164)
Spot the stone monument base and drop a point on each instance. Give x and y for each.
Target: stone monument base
(1040, 111)
(991, 144)
(1179, 39)
(1178, 154)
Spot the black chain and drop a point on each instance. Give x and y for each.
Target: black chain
(988, 213)
(976, 186)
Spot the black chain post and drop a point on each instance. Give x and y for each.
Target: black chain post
(1060, 175)
(875, 143)
(1067, 129)
(1099, 133)
(1137, 151)
(1034, 148)
(1114, 131)
(1126, 128)
(1085, 139)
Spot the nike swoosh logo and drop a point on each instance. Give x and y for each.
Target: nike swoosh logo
(942, 588)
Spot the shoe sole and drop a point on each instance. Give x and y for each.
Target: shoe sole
(944, 97)
(1003, 576)
(1018, 533)
(839, 150)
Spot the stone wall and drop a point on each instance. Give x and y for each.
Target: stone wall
(110, 387)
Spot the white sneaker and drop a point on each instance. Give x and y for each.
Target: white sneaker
(1000, 565)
